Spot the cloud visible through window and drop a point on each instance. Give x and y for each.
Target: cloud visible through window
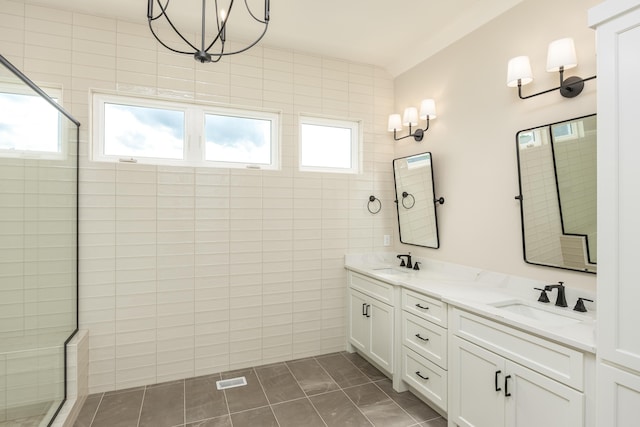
(143, 132)
(167, 132)
(237, 139)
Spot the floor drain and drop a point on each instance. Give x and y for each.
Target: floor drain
(231, 383)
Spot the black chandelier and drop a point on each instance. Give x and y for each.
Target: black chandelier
(208, 51)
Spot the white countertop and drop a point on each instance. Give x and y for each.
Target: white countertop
(479, 292)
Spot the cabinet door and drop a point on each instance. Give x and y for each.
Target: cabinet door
(618, 178)
(533, 400)
(381, 339)
(358, 321)
(476, 386)
(618, 397)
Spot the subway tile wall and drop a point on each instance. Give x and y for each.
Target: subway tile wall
(191, 271)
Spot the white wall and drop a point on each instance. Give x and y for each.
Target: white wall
(189, 271)
(473, 137)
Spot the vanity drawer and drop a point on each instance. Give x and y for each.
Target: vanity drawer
(425, 377)
(426, 307)
(425, 338)
(374, 288)
(557, 362)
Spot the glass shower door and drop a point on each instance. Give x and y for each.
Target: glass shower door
(38, 248)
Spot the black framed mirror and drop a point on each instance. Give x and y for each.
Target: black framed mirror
(415, 200)
(558, 194)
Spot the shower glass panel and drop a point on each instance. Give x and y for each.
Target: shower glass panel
(38, 248)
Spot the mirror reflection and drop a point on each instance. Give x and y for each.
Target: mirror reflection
(558, 197)
(415, 197)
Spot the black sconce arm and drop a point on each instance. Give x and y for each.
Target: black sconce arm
(569, 87)
(417, 135)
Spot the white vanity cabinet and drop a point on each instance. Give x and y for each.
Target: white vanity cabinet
(617, 24)
(424, 346)
(371, 319)
(500, 376)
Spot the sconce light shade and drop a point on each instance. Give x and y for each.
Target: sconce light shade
(395, 122)
(428, 109)
(561, 53)
(519, 69)
(410, 117)
(560, 57)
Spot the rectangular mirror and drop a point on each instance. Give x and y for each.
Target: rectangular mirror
(415, 200)
(558, 197)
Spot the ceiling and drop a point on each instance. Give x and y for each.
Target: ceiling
(395, 35)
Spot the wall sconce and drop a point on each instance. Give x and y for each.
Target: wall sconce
(410, 118)
(561, 56)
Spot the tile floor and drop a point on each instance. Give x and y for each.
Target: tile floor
(338, 389)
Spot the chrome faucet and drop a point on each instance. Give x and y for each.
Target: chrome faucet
(408, 263)
(561, 300)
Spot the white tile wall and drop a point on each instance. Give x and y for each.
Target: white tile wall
(193, 271)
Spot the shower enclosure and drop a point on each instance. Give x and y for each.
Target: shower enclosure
(38, 248)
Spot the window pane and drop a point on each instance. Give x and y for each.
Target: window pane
(143, 132)
(237, 139)
(326, 146)
(28, 123)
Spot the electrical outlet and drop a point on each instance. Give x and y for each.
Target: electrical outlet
(387, 240)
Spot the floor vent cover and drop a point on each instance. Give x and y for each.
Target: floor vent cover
(231, 383)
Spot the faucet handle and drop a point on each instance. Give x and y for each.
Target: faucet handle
(580, 305)
(416, 265)
(543, 295)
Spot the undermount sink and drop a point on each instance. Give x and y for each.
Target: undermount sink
(539, 313)
(391, 270)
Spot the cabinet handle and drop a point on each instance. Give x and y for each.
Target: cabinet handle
(506, 385)
(423, 339)
(367, 310)
(424, 308)
(364, 309)
(496, 381)
(418, 374)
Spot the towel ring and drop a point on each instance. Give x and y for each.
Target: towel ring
(411, 203)
(373, 199)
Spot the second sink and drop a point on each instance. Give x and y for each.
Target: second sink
(539, 313)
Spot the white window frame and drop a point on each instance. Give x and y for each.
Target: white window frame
(194, 128)
(56, 94)
(356, 137)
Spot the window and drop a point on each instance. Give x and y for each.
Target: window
(140, 130)
(238, 139)
(29, 125)
(329, 145)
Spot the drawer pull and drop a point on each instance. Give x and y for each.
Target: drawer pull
(418, 374)
(423, 339)
(366, 313)
(423, 308)
(496, 381)
(364, 309)
(506, 385)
